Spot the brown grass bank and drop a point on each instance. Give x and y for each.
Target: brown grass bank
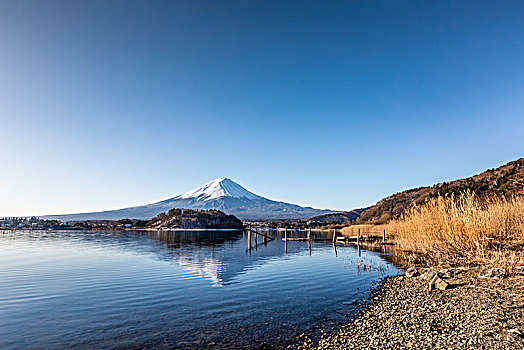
(365, 229)
(463, 230)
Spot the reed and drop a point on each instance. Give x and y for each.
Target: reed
(364, 229)
(463, 230)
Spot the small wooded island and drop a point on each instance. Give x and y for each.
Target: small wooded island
(194, 219)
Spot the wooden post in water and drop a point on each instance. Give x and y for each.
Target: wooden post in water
(264, 238)
(358, 241)
(384, 237)
(249, 240)
(285, 239)
(309, 239)
(334, 236)
(255, 234)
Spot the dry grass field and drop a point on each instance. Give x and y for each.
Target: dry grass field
(463, 230)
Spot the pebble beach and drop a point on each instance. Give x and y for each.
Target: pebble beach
(473, 312)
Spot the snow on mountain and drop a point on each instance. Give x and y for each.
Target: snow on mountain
(221, 187)
(222, 194)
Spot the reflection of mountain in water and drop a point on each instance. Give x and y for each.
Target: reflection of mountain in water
(218, 255)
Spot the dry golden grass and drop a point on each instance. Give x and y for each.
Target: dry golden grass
(464, 230)
(365, 229)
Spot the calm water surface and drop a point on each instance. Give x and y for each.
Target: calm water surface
(111, 289)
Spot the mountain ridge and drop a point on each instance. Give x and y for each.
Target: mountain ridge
(339, 218)
(507, 179)
(221, 194)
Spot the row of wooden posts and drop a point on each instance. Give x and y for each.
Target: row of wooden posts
(265, 238)
(335, 239)
(358, 237)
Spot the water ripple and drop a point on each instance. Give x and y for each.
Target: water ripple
(97, 289)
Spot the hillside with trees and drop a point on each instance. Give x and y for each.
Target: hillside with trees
(194, 219)
(507, 180)
(337, 218)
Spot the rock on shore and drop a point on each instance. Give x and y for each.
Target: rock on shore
(474, 313)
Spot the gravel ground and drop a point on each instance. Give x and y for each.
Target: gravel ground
(403, 313)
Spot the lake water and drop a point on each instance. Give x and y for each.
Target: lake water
(133, 289)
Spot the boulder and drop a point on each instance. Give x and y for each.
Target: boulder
(494, 272)
(412, 272)
(445, 273)
(429, 275)
(438, 283)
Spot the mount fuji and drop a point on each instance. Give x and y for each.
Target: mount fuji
(222, 194)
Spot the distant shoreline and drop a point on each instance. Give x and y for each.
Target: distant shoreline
(120, 229)
(191, 229)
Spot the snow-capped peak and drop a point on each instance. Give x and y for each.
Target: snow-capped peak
(221, 187)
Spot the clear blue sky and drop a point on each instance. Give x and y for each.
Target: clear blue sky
(333, 104)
